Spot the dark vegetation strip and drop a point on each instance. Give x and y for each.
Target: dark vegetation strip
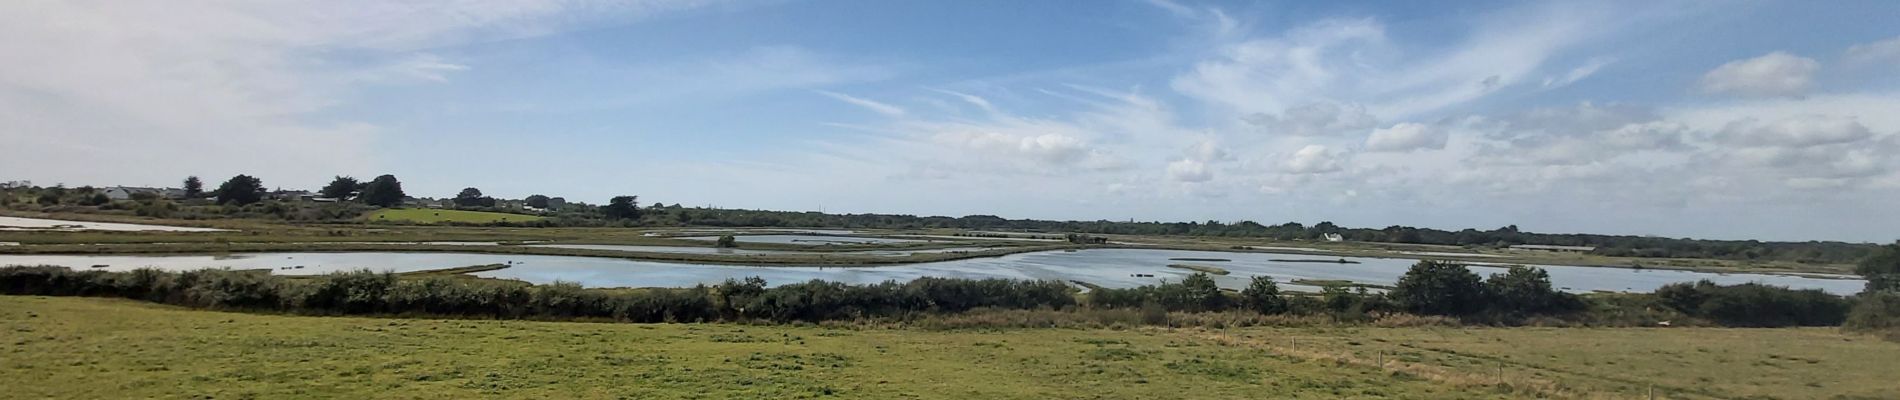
(1339, 261)
(1200, 268)
(457, 271)
(1522, 295)
(1338, 283)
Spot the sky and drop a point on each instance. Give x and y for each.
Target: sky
(1772, 120)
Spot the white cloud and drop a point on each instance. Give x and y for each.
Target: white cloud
(424, 67)
(1314, 159)
(1774, 74)
(1172, 7)
(1406, 137)
(874, 106)
(220, 88)
(1584, 134)
(1266, 75)
(1802, 131)
(1880, 52)
(1579, 73)
(1315, 119)
(1047, 148)
(1353, 61)
(1208, 151)
(974, 100)
(1189, 171)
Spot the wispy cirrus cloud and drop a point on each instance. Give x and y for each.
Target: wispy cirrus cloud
(118, 86)
(1773, 74)
(874, 106)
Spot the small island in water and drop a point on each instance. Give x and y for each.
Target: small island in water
(1296, 260)
(1201, 268)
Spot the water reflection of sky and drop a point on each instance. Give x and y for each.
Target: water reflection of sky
(1105, 267)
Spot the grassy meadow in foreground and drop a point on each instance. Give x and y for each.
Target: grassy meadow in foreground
(1790, 363)
(104, 348)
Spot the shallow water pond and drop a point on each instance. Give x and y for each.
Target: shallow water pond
(38, 224)
(1105, 267)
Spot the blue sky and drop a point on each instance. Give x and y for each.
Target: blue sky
(1744, 119)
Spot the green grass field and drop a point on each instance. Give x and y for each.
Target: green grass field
(1694, 363)
(430, 216)
(103, 348)
(99, 348)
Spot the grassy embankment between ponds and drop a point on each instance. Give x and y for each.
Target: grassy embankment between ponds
(1339, 261)
(1338, 283)
(65, 347)
(1484, 256)
(1200, 259)
(1201, 268)
(803, 259)
(455, 272)
(430, 216)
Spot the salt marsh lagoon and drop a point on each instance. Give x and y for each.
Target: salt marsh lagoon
(1117, 268)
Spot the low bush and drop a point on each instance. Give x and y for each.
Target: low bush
(946, 302)
(1195, 293)
(1755, 304)
(364, 292)
(1876, 312)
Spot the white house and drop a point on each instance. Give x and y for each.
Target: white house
(125, 193)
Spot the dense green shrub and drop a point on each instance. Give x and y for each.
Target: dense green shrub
(1525, 291)
(1354, 304)
(348, 292)
(1263, 296)
(1882, 269)
(1876, 312)
(1440, 288)
(364, 292)
(1755, 304)
(1195, 293)
(1443, 288)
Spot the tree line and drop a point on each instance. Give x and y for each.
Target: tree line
(386, 191)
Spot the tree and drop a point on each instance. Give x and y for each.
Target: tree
(726, 241)
(1755, 304)
(1882, 269)
(1526, 290)
(384, 191)
(622, 207)
(1440, 288)
(1878, 308)
(95, 199)
(1263, 295)
(1196, 292)
(469, 197)
(194, 188)
(339, 188)
(538, 201)
(241, 190)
